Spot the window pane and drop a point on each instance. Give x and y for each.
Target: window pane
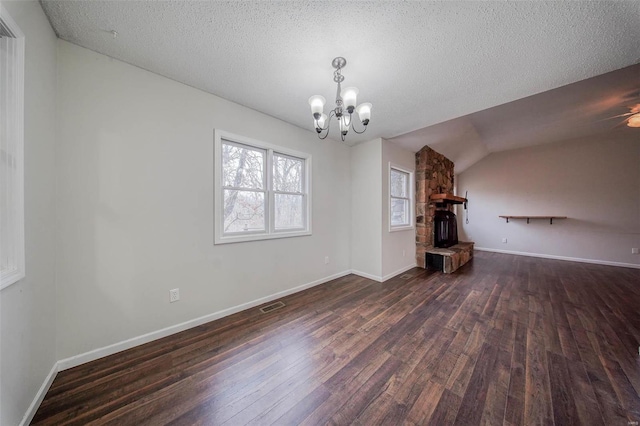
(289, 211)
(287, 174)
(243, 211)
(399, 212)
(399, 183)
(242, 167)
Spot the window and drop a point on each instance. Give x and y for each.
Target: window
(262, 191)
(289, 199)
(400, 199)
(244, 186)
(12, 267)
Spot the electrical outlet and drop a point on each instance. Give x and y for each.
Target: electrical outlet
(504, 240)
(174, 295)
(326, 260)
(634, 250)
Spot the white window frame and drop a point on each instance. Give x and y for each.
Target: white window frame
(220, 237)
(274, 192)
(12, 150)
(263, 190)
(410, 198)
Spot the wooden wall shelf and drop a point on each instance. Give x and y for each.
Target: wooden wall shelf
(447, 199)
(534, 217)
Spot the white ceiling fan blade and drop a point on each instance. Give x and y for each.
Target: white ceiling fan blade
(615, 116)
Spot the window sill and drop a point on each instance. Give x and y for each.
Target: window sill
(401, 228)
(259, 237)
(9, 278)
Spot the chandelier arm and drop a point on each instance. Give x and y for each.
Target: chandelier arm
(326, 128)
(328, 122)
(323, 137)
(354, 128)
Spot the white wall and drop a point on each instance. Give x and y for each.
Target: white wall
(366, 209)
(135, 205)
(595, 182)
(398, 247)
(27, 311)
(377, 253)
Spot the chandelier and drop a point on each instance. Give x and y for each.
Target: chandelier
(345, 106)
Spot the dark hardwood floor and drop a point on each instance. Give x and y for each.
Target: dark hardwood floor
(505, 340)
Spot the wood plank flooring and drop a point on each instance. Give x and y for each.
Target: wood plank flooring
(505, 340)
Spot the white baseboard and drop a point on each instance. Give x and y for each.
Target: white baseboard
(76, 360)
(571, 259)
(380, 278)
(37, 400)
(399, 271)
(367, 275)
(92, 355)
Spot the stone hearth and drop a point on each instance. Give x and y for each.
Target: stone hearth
(449, 259)
(434, 175)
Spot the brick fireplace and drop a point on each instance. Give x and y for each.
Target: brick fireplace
(434, 179)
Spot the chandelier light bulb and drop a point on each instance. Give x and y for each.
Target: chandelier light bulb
(317, 105)
(320, 122)
(364, 111)
(344, 124)
(349, 96)
(634, 120)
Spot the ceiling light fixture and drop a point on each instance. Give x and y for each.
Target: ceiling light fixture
(345, 105)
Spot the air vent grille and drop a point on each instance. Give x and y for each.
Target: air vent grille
(406, 276)
(272, 307)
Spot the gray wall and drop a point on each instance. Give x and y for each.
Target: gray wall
(398, 247)
(594, 181)
(27, 308)
(135, 205)
(366, 209)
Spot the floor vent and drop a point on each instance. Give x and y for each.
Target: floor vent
(272, 307)
(406, 276)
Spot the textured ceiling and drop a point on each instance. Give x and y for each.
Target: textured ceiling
(419, 63)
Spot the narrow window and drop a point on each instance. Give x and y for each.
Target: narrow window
(12, 266)
(400, 199)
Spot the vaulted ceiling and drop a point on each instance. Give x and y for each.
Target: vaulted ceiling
(595, 106)
(418, 63)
